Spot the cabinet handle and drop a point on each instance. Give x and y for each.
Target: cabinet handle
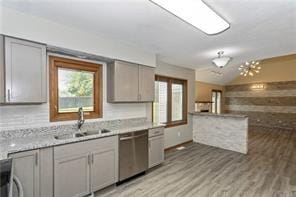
(89, 159)
(8, 95)
(92, 158)
(36, 159)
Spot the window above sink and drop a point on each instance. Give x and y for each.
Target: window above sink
(74, 84)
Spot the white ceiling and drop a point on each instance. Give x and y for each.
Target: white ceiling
(259, 29)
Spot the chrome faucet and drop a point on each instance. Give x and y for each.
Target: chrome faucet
(80, 118)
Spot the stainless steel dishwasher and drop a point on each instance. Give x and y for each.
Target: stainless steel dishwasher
(133, 154)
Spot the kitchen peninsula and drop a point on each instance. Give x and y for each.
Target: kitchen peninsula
(227, 131)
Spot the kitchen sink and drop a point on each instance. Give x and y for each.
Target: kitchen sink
(105, 131)
(95, 132)
(68, 136)
(77, 135)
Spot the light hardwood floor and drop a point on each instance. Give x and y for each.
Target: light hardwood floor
(269, 170)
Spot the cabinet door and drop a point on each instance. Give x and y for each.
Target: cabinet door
(2, 76)
(71, 176)
(156, 150)
(26, 169)
(25, 71)
(46, 172)
(103, 169)
(126, 82)
(146, 83)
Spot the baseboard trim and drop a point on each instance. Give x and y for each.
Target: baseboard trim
(176, 146)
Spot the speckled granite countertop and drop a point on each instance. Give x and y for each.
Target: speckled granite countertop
(219, 115)
(28, 139)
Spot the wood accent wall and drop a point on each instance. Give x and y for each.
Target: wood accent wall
(274, 106)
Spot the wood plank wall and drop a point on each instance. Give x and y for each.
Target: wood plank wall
(274, 106)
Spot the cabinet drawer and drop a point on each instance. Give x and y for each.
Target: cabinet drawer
(85, 146)
(156, 131)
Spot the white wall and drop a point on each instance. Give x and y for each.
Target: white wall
(25, 116)
(172, 136)
(18, 24)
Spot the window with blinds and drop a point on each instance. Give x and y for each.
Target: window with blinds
(170, 102)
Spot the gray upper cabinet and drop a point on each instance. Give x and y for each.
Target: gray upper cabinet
(25, 72)
(146, 83)
(27, 171)
(122, 82)
(129, 82)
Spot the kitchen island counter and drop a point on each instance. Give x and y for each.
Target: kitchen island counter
(227, 131)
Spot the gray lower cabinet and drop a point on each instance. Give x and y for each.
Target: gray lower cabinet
(103, 171)
(72, 175)
(27, 170)
(129, 82)
(24, 71)
(156, 146)
(85, 167)
(34, 170)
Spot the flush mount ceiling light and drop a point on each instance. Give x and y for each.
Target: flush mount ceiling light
(249, 68)
(221, 61)
(196, 13)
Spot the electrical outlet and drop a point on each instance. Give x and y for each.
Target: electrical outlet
(179, 133)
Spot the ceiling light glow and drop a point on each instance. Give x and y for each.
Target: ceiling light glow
(221, 60)
(196, 13)
(249, 68)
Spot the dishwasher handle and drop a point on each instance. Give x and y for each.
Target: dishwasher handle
(132, 137)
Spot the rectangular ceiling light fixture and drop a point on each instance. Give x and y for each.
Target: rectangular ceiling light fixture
(196, 13)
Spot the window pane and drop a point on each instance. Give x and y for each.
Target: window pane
(76, 89)
(218, 102)
(177, 102)
(213, 102)
(160, 102)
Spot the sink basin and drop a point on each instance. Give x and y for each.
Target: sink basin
(68, 136)
(105, 131)
(91, 133)
(76, 135)
(95, 132)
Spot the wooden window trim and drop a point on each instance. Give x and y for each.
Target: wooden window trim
(170, 81)
(59, 62)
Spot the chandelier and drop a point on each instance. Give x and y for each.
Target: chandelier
(249, 68)
(221, 60)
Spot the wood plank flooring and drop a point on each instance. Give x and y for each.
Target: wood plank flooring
(269, 170)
